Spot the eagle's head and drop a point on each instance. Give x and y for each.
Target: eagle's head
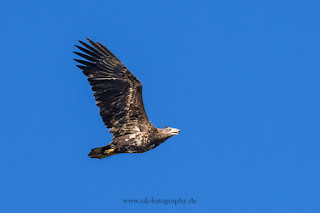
(171, 131)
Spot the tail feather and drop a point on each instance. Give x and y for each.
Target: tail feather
(101, 152)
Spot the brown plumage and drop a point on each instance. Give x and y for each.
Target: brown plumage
(118, 94)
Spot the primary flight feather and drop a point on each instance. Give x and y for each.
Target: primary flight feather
(119, 96)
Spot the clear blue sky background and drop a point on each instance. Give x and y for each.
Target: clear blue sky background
(239, 78)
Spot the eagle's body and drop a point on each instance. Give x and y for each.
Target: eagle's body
(119, 96)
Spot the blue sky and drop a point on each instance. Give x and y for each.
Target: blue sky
(239, 78)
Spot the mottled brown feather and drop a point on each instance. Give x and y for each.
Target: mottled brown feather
(117, 91)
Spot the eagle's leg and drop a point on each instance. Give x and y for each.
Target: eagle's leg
(109, 152)
(102, 152)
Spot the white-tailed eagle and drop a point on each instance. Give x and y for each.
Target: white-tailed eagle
(118, 94)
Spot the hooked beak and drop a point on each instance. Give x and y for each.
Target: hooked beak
(177, 131)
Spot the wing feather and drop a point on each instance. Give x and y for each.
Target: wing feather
(117, 91)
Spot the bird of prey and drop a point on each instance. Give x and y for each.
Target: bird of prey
(118, 94)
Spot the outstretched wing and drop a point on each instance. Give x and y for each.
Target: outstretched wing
(117, 91)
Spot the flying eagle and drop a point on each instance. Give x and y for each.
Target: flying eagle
(118, 94)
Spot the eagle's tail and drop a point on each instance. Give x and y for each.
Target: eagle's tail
(101, 152)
